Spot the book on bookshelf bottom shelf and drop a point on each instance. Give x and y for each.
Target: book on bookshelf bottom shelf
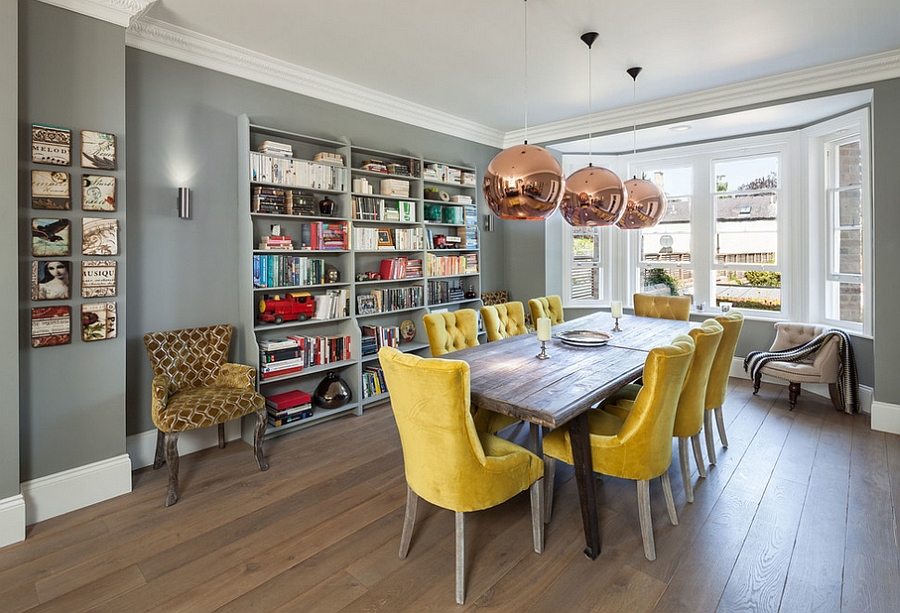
(373, 382)
(291, 418)
(288, 400)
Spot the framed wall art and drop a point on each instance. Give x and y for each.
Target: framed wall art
(51, 145)
(51, 326)
(98, 193)
(50, 190)
(50, 279)
(98, 278)
(99, 236)
(50, 237)
(98, 321)
(98, 150)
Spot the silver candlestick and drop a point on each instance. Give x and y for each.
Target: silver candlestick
(543, 355)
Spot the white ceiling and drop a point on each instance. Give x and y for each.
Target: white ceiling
(467, 59)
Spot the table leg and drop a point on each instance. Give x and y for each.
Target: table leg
(584, 476)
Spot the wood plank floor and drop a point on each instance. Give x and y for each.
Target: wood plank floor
(798, 515)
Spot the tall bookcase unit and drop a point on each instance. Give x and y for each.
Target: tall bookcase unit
(393, 266)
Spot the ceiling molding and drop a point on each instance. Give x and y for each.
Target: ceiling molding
(164, 39)
(768, 89)
(118, 12)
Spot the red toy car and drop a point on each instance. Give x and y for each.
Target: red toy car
(300, 306)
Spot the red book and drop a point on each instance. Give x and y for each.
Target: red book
(288, 400)
(280, 373)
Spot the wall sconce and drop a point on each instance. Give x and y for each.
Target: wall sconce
(488, 223)
(184, 202)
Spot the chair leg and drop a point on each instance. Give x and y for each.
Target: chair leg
(222, 436)
(835, 397)
(549, 478)
(685, 468)
(537, 515)
(258, 436)
(698, 455)
(460, 558)
(160, 458)
(793, 393)
(720, 424)
(757, 381)
(670, 501)
(409, 521)
(643, 491)
(172, 461)
(707, 428)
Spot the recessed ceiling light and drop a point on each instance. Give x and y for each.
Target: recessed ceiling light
(680, 128)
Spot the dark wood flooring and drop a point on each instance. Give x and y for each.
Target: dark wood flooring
(798, 515)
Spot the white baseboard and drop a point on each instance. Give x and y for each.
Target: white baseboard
(886, 417)
(12, 520)
(77, 488)
(141, 448)
(866, 394)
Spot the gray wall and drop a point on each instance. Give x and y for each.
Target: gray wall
(9, 307)
(182, 127)
(71, 74)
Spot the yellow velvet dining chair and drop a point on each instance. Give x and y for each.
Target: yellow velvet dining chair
(662, 307)
(503, 320)
(454, 330)
(691, 404)
(447, 461)
(640, 446)
(546, 306)
(732, 322)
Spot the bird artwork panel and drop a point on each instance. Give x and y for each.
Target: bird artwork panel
(50, 237)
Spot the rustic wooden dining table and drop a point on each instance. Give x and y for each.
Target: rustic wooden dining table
(507, 377)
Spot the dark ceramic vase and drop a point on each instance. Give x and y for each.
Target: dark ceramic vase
(331, 392)
(326, 207)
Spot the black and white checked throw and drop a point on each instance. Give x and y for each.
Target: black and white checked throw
(847, 383)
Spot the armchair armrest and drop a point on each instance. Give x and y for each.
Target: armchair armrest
(239, 376)
(159, 391)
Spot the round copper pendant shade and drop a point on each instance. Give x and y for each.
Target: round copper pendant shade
(524, 182)
(593, 197)
(646, 205)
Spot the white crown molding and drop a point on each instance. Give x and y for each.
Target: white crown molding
(119, 12)
(178, 43)
(847, 73)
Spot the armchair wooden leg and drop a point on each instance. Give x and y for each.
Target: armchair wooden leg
(720, 424)
(537, 515)
(685, 462)
(160, 458)
(172, 461)
(221, 436)
(460, 558)
(409, 521)
(793, 393)
(708, 429)
(549, 478)
(670, 501)
(643, 492)
(698, 455)
(261, 418)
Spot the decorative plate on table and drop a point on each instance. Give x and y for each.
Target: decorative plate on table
(407, 330)
(584, 338)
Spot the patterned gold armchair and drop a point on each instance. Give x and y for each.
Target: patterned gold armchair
(194, 386)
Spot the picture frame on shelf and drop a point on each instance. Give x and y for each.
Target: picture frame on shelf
(50, 190)
(50, 326)
(51, 145)
(98, 193)
(50, 237)
(98, 150)
(51, 279)
(385, 239)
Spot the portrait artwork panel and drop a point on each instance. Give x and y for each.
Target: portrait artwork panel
(98, 150)
(98, 193)
(50, 237)
(51, 145)
(50, 190)
(50, 279)
(99, 236)
(51, 326)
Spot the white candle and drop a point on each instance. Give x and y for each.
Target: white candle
(615, 308)
(543, 328)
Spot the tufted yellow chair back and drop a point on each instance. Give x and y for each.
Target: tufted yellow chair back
(731, 323)
(662, 307)
(546, 306)
(190, 358)
(691, 403)
(451, 331)
(504, 320)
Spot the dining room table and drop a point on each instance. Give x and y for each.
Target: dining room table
(582, 369)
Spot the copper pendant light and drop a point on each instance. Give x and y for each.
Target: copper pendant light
(593, 196)
(646, 200)
(524, 181)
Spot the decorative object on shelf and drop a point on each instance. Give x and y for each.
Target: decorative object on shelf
(332, 392)
(593, 196)
(407, 330)
(385, 240)
(470, 293)
(433, 212)
(326, 207)
(615, 309)
(524, 181)
(646, 200)
(184, 202)
(298, 306)
(543, 334)
(332, 274)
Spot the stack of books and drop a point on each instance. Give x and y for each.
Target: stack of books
(300, 203)
(326, 157)
(279, 357)
(368, 345)
(271, 147)
(276, 242)
(268, 200)
(395, 187)
(374, 166)
(373, 382)
(288, 407)
(398, 169)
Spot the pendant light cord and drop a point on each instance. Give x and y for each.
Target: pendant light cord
(634, 116)
(526, 72)
(590, 109)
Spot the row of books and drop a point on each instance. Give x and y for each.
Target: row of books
(471, 229)
(410, 168)
(400, 268)
(373, 382)
(443, 265)
(278, 270)
(375, 337)
(448, 174)
(288, 407)
(281, 201)
(389, 299)
(301, 173)
(332, 304)
(293, 353)
(441, 292)
(379, 209)
(388, 238)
